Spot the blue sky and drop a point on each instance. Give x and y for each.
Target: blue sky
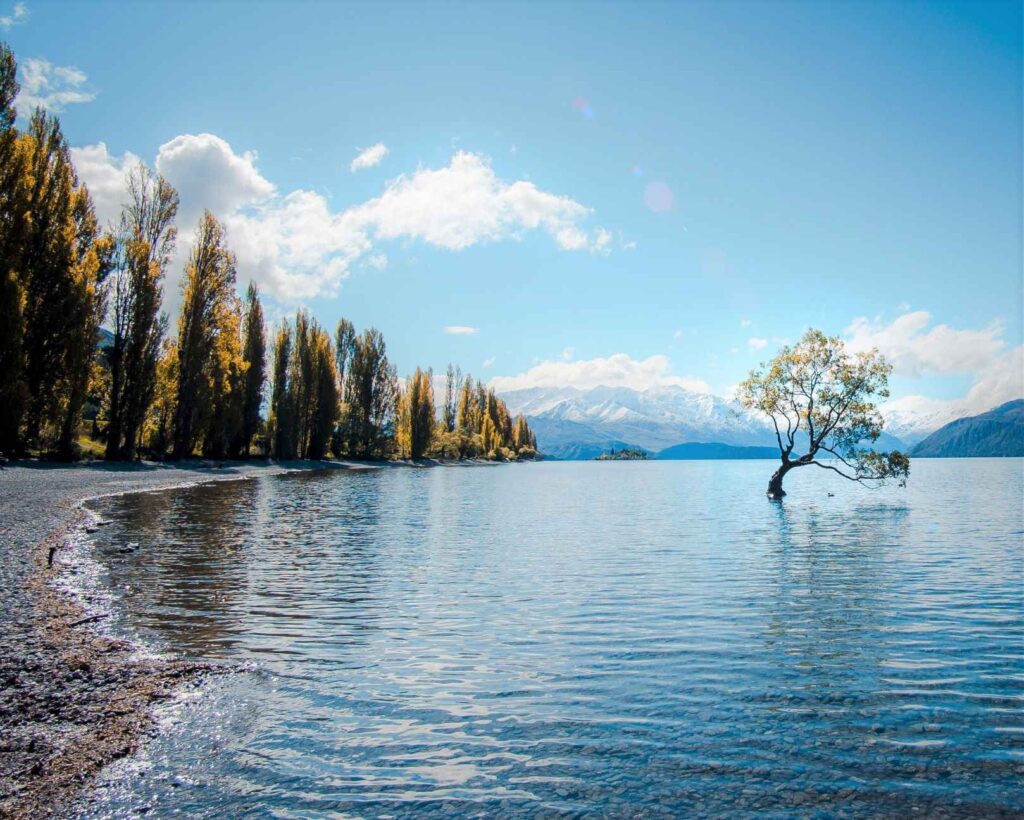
(809, 164)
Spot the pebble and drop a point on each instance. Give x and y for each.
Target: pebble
(52, 693)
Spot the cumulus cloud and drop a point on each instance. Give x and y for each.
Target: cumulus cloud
(618, 370)
(917, 348)
(106, 176)
(466, 203)
(18, 15)
(999, 381)
(208, 174)
(297, 247)
(461, 330)
(49, 86)
(914, 349)
(755, 343)
(369, 157)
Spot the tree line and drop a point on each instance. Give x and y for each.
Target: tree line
(201, 389)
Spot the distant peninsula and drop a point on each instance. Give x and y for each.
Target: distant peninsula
(625, 454)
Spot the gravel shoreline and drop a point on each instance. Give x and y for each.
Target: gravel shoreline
(73, 700)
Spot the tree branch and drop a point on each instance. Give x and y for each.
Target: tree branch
(859, 479)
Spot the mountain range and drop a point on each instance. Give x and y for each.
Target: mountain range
(571, 423)
(999, 432)
(574, 423)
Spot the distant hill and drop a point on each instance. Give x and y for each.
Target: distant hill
(715, 450)
(999, 432)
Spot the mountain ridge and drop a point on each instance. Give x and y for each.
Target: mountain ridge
(996, 432)
(581, 423)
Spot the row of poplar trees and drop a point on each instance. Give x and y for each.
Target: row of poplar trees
(54, 261)
(200, 390)
(61, 276)
(342, 397)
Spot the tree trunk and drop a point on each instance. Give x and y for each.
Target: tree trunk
(113, 451)
(127, 452)
(775, 491)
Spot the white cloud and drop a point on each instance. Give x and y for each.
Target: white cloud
(378, 261)
(106, 176)
(208, 174)
(745, 323)
(678, 334)
(369, 157)
(568, 353)
(998, 382)
(755, 343)
(618, 370)
(18, 15)
(465, 203)
(914, 350)
(461, 330)
(296, 247)
(488, 362)
(50, 86)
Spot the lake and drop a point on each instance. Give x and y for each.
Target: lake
(560, 639)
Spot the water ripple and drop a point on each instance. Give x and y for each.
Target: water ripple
(575, 639)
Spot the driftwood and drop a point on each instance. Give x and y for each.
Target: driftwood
(90, 619)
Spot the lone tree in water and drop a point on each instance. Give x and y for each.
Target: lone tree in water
(819, 396)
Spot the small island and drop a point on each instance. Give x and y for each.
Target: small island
(625, 454)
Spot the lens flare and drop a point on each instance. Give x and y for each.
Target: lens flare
(581, 105)
(658, 197)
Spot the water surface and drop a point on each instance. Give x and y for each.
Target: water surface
(561, 639)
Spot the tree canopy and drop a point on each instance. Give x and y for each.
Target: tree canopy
(820, 399)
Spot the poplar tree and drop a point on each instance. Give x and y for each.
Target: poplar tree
(279, 421)
(370, 396)
(208, 287)
(301, 389)
(146, 238)
(85, 304)
(466, 408)
(415, 425)
(164, 396)
(325, 392)
(13, 222)
(254, 353)
(226, 372)
(449, 411)
(488, 436)
(344, 345)
(61, 267)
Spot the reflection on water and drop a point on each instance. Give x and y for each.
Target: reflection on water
(613, 638)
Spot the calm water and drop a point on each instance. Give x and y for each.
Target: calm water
(623, 639)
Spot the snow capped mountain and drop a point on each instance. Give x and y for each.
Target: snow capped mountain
(581, 423)
(913, 424)
(570, 422)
